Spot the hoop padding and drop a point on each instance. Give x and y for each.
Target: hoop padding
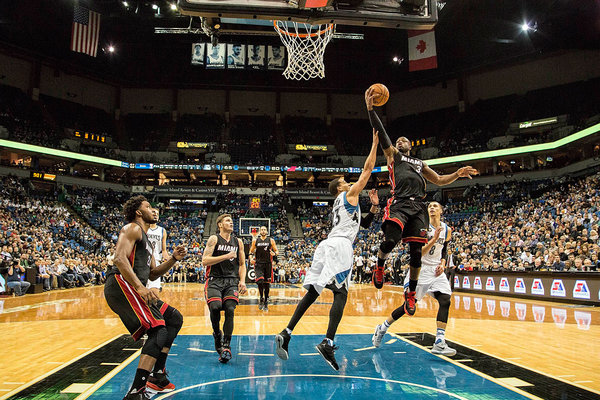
(305, 44)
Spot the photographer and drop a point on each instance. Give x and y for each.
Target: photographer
(14, 281)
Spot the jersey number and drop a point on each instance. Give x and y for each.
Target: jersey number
(336, 217)
(432, 250)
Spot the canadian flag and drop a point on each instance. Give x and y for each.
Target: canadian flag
(421, 50)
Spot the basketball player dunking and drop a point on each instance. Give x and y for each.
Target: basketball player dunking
(225, 263)
(432, 281)
(331, 267)
(264, 249)
(405, 216)
(139, 308)
(157, 235)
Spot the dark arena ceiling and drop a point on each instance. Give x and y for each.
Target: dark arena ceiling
(470, 34)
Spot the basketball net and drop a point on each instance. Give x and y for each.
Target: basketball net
(305, 44)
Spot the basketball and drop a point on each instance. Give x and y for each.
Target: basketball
(382, 94)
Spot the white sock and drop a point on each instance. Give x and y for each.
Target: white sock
(289, 331)
(384, 327)
(439, 336)
(329, 341)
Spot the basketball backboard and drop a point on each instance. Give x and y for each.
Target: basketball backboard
(405, 14)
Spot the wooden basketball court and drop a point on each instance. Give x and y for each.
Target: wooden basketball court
(551, 348)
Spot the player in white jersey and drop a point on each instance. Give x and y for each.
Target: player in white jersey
(432, 281)
(331, 267)
(157, 235)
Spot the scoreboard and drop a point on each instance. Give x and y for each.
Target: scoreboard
(255, 203)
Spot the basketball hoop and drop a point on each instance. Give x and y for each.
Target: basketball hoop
(305, 44)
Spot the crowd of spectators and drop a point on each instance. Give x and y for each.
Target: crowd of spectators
(552, 227)
(40, 234)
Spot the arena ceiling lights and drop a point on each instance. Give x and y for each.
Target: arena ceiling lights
(464, 158)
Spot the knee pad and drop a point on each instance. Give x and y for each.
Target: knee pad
(157, 338)
(444, 300)
(215, 307)
(173, 318)
(229, 308)
(387, 246)
(415, 254)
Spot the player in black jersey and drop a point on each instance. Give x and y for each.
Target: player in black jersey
(264, 249)
(405, 216)
(225, 264)
(139, 308)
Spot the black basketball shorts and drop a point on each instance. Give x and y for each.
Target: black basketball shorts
(263, 272)
(135, 313)
(411, 216)
(221, 289)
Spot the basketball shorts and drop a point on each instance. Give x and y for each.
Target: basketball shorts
(331, 264)
(221, 289)
(263, 272)
(410, 215)
(135, 313)
(429, 283)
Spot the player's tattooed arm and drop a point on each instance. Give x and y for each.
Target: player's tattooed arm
(441, 180)
(207, 256)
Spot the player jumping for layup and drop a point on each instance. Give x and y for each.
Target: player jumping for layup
(332, 262)
(225, 263)
(265, 248)
(139, 308)
(432, 281)
(405, 216)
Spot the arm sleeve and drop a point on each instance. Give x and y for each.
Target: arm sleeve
(384, 139)
(365, 222)
(445, 251)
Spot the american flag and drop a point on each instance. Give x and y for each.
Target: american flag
(85, 31)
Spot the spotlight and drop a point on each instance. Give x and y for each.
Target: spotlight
(111, 49)
(525, 27)
(395, 59)
(126, 4)
(154, 7)
(173, 6)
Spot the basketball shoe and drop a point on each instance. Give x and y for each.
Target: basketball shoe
(378, 276)
(225, 354)
(440, 347)
(141, 395)
(281, 344)
(328, 353)
(159, 381)
(378, 336)
(410, 303)
(218, 336)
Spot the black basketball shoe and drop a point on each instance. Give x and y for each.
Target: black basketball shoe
(282, 340)
(142, 395)
(328, 353)
(266, 305)
(159, 381)
(225, 354)
(218, 336)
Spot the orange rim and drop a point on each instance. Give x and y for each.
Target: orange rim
(303, 35)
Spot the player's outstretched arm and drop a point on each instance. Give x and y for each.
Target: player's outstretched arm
(441, 180)
(178, 254)
(384, 139)
(128, 236)
(352, 195)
